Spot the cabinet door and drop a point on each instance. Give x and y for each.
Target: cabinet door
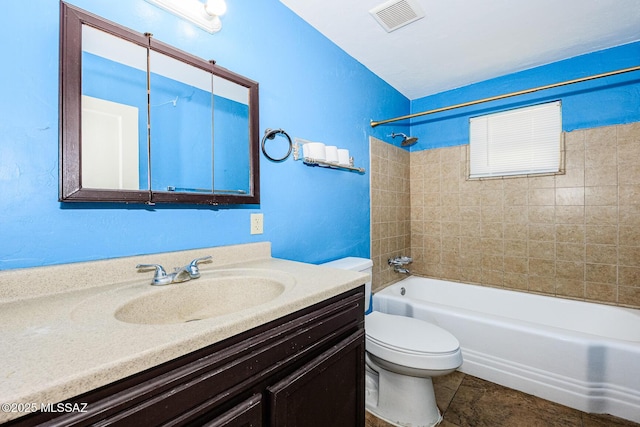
(328, 391)
(246, 414)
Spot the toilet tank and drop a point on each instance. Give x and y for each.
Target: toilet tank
(363, 265)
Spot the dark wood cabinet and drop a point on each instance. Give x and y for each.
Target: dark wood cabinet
(246, 414)
(305, 369)
(328, 391)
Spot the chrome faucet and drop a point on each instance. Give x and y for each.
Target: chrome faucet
(398, 264)
(180, 274)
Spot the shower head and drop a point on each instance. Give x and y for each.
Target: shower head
(406, 140)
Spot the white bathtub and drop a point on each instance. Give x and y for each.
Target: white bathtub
(579, 354)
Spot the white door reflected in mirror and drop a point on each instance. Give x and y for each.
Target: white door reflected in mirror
(109, 145)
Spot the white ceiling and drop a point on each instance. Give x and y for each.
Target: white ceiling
(460, 42)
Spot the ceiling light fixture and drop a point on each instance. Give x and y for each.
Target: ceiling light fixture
(205, 15)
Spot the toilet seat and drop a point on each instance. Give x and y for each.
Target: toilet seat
(410, 342)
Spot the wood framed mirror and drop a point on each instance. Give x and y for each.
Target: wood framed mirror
(144, 122)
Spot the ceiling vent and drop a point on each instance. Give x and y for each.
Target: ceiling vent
(397, 13)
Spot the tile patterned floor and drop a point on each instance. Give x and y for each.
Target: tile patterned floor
(467, 401)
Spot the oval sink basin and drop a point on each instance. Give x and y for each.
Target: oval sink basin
(213, 294)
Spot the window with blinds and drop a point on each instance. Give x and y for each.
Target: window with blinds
(523, 141)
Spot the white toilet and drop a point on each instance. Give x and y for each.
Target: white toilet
(402, 354)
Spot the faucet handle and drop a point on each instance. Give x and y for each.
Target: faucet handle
(194, 271)
(160, 277)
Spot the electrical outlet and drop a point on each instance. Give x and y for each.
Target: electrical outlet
(257, 223)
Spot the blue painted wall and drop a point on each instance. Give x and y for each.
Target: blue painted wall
(308, 87)
(607, 101)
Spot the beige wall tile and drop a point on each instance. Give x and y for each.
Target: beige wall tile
(543, 181)
(628, 153)
(471, 275)
(492, 230)
(629, 173)
(601, 175)
(629, 215)
(601, 292)
(391, 175)
(570, 270)
(600, 137)
(570, 252)
(516, 281)
(542, 284)
(629, 235)
(602, 234)
(570, 288)
(601, 195)
(490, 197)
(602, 254)
(629, 276)
(629, 194)
(629, 255)
(573, 196)
(570, 214)
(491, 213)
(601, 215)
(515, 231)
(469, 196)
(541, 197)
(629, 296)
(515, 248)
(516, 197)
(542, 267)
(574, 140)
(519, 265)
(543, 232)
(542, 214)
(574, 170)
(492, 277)
(516, 214)
(542, 250)
(630, 131)
(601, 273)
(574, 235)
(570, 233)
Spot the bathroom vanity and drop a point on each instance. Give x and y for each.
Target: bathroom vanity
(297, 359)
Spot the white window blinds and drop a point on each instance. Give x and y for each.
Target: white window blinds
(516, 142)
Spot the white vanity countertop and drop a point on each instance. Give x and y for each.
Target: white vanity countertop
(59, 341)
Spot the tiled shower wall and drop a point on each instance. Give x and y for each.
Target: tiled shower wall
(390, 215)
(575, 235)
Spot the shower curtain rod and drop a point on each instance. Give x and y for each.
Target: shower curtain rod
(507, 95)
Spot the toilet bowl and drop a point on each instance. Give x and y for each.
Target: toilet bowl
(402, 355)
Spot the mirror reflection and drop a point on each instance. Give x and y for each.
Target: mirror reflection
(144, 122)
(114, 112)
(232, 142)
(181, 129)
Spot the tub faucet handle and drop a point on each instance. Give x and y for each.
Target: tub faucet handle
(160, 277)
(400, 261)
(194, 271)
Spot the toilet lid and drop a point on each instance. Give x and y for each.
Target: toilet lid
(409, 334)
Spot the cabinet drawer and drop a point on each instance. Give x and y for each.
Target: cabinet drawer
(246, 414)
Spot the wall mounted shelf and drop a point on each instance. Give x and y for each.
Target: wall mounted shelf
(297, 155)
